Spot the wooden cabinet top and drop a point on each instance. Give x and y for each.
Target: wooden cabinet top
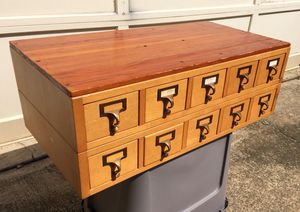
(85, 63)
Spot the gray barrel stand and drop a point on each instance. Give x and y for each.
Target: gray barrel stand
(194, 182)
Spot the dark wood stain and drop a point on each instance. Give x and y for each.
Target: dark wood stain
(90, 62)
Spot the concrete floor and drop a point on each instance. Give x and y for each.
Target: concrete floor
(264, 168)
(265, 159)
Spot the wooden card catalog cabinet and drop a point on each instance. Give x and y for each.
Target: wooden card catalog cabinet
(107, 106)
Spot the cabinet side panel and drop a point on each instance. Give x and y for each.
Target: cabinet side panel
(285, 63)
(48, 99)
(61, 154)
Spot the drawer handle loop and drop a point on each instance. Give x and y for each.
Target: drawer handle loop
(165, 144)
(204, 128)
(114, 115)
(114, 121)
(209, 91)
(209, 84)
(263, 107)
(115, 164)
(168, 102)
(264, 104)
(236, 114)
(236, 118)
(166, 148)
(272, 72)
(116, 168)
(166, 95)
(244, 77)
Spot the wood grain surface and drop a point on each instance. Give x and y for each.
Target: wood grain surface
(91, 62)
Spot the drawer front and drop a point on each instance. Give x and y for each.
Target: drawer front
(262, 105)
(111, 164)
(240, 78)
(202, 128)
(208, 87)
(270, 69)
(160, 145)
(109, 116)
(234, 115)
(163, 100)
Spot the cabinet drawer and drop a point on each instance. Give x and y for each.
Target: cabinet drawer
(111, 164)
(234, 115)
(270, 69)
(163, 100)
(109, 116)
(240, 78)
(262, 105)
(160, 145)
(208, 87)
(202, 128)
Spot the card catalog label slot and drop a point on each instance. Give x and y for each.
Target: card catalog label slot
(273, 63)
(169, 92)
(210, 81)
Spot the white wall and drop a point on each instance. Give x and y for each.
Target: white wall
(24, 19)
(10, 8)
(146, 5)
(285, 26)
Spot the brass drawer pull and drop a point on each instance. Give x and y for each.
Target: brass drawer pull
(166, 95)
(209, 84)
(115, 162)
(264, 104)
(236, 114)
(272, 71)
(203, 125)
(236, 118)
(209, 91)
(113, 115)
(165, 144)
(244, 77)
